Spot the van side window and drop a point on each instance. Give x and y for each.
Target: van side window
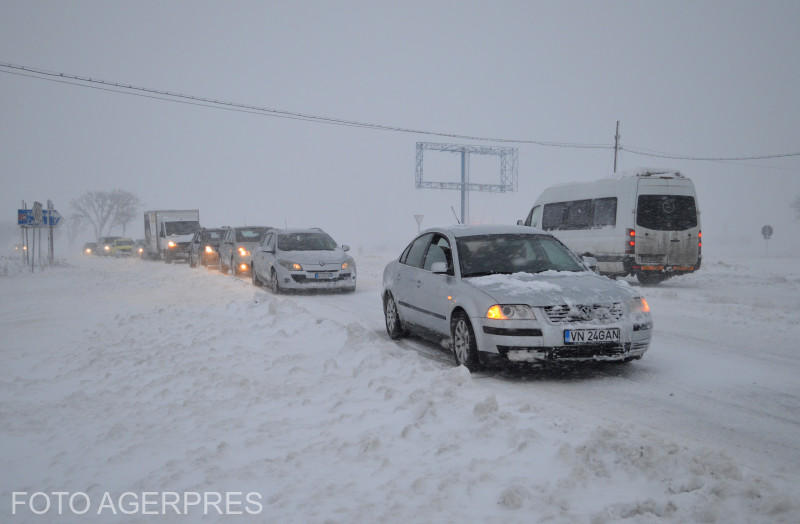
(604, 212)
(579, 214)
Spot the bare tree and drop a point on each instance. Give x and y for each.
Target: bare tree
(74, 224)
(796, 206)
(127, 204)
(105, 209)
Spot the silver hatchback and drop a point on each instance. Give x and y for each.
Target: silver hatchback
(504, 294)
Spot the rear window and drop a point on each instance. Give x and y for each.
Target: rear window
(254, 234)
(666, 212)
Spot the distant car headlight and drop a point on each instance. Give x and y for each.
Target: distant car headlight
(510, 312)
(88, 250)
(291, 266)
(171, 244)
(243, 252)
(209, 249)
(107, 248)
(141, 250)
(639, 305)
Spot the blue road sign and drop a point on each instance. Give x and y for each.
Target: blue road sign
(25, 218)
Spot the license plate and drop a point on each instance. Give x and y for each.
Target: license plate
(324, 276)
(591, 336)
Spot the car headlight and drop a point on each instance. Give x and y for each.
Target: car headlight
(141, 250)
(88, 250)
(209, 249)
(107, 248)
(510, 312)
(243, 252)
(171, 244)
(291, 266)
(639, 305)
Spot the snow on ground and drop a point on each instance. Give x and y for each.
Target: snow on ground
(127, 375)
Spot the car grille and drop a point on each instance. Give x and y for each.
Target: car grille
(604, 314)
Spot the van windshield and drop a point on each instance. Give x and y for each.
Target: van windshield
(181, 228)
(666, 212)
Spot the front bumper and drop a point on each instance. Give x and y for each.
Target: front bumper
(541, 341)
(336, 279)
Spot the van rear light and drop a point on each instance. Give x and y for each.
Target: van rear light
(630, 247)
(699, 242)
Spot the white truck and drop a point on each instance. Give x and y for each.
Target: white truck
(168, 233)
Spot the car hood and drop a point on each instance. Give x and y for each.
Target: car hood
(337, 256)
(552, 288)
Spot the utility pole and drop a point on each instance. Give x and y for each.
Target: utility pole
(616, 146)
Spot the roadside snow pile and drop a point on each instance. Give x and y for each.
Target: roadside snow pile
(140, 377)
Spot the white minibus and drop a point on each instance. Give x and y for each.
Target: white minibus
(644, 223)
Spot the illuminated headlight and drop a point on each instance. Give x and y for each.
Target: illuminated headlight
(88, 250)
(510, 312)
(291, 266)
(107, 248)
(209, 249)
(349, 264)
(141, 250)
(639, 305)
(243, 252)
(171, 244)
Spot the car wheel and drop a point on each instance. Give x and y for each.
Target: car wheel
(650, 278)
(394, 326)
(465, 349)
(274, 284)
(254, 277)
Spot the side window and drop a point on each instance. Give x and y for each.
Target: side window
(404, 255)
(439, 252)
(580, 214)
(535, 219)
(417, 251)
(604, 212)
(554, 216)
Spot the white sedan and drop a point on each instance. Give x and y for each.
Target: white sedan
(501, 294)
(302, 259)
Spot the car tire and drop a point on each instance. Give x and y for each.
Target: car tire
(394, 326)
(464, 346)
(274, 284)
(254, 277)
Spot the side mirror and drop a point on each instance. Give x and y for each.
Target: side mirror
(439, 268)
(520, 222)
(591, 263)
(345, 247)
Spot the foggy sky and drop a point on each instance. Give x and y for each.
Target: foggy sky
(693, 78)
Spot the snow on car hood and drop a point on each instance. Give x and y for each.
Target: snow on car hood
(321, 257)
(181, 238)
(552, 288)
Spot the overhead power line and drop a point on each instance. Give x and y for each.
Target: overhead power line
(183, 98)
(160, 94)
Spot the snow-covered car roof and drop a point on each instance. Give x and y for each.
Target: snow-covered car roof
(493, 229)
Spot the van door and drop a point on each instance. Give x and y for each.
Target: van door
(667, 230)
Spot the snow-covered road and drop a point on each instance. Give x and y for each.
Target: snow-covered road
(125, 375)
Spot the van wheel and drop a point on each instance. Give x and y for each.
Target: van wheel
(650, 278)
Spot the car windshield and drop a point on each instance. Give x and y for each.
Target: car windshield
(123, 242)
(182, 228)
(250, 234)
(306, 242)
(513, 253)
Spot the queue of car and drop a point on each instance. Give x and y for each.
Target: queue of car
(492, 294)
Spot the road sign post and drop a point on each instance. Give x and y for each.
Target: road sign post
(766, 232)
